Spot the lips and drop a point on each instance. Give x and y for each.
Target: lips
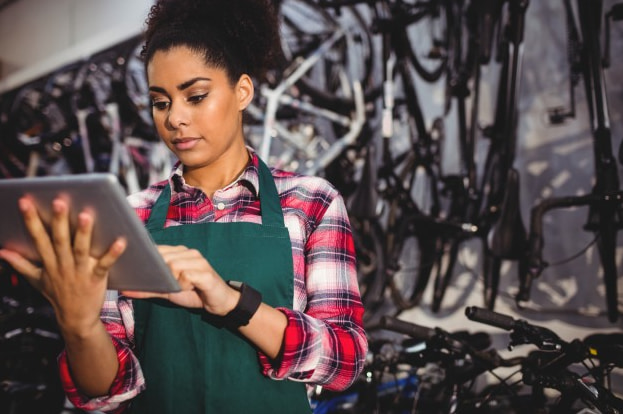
(184, 143)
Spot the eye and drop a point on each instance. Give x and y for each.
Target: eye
(159, 105)
(195, 99)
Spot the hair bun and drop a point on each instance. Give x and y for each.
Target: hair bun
(242, 34)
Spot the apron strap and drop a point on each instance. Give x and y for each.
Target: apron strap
(270, 206)
(159, 211)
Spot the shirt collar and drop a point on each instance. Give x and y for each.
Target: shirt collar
(249, 177)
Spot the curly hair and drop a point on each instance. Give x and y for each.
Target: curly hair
(239, 36)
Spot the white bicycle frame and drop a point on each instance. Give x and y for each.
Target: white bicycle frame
(296, 142)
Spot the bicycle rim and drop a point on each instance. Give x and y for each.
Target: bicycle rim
(367, 236)
(411, 266)
(304, 26)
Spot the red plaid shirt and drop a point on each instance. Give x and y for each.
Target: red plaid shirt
(324, 340)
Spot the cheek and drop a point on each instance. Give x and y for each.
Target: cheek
(159, 122)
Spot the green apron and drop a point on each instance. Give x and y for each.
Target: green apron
(191, 364)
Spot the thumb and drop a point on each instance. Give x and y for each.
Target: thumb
(22, 266)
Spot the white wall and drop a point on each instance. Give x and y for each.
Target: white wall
(37, 36)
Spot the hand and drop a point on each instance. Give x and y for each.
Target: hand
(201, 286)
(71, 279)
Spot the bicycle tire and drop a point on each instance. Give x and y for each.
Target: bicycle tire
(409, 266)
(304, 25)
(28, 351)
(135, 102)
(444, 271)
(414, 205)
(368, 237)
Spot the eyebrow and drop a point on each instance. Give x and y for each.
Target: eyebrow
(184, 85)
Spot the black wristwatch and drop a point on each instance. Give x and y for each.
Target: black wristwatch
(250, 300)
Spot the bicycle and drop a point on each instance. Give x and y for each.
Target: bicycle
(310, 111)
(551, 365)
(605, 201)
(29, 345)
(430, 214)
(405, 182)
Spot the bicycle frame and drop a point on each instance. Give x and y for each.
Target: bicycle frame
(491, 208)
(277, 96)
(605, 202)
(405, 217)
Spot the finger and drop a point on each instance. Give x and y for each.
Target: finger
(143, 295)
(22, 266)
(61, 234)
(196, 265)
(37, 231)
(163, 249)
(186, 254)
(190, 279)
(184, 257)
(82, 238)
(187, 279)
(109, 258)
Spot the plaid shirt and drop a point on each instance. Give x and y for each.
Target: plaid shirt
(324, 341)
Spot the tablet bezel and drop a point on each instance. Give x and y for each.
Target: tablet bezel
(140, 267)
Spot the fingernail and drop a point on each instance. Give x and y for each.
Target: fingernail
(22, 204)
(57, 206)
(120, 244)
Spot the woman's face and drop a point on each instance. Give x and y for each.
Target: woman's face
(197, 112)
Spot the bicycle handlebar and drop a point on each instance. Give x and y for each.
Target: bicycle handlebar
(490, 318)
(533, 263)
(522, 332)
(410, 329)
(458, 345)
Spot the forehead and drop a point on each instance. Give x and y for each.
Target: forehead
(179, 64)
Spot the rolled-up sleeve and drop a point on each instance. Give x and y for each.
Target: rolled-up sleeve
(325, 343)
(117, 316)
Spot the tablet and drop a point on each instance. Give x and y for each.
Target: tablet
(140, 267)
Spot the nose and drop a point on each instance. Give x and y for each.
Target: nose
(177, 116)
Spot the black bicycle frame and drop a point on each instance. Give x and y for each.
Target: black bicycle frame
(499, 222)
(605, 202)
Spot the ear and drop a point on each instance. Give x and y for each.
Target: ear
(245, 91)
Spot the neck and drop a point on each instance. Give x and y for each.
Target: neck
(219, 174)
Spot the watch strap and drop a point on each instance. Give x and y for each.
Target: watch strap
(248, 304)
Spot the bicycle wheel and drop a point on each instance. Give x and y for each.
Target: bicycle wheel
(135, 104)
(445, 271)
(409, 264)
(368, 236)
(304, 27)
(28, 370)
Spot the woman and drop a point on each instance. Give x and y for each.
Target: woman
(265, 258)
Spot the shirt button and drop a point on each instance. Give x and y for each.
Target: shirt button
(220, 206)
